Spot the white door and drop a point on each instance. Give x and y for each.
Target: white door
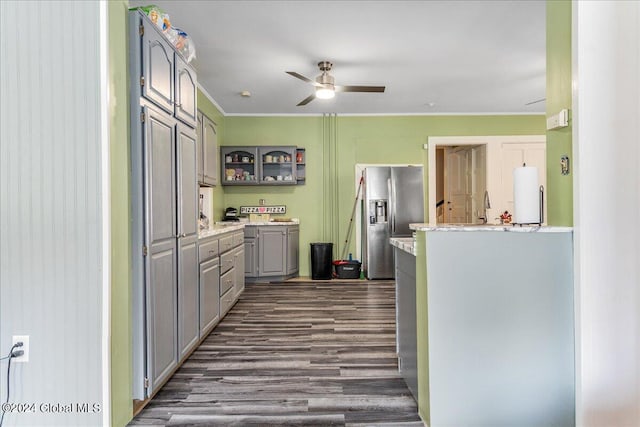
(479, 203)
(514, 156)
(458, 185)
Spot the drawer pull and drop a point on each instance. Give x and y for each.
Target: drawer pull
(212, 251)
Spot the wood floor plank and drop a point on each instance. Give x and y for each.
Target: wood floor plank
(303, 354)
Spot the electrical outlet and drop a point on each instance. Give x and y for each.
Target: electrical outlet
(24, 339)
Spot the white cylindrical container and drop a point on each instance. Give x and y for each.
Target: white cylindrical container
(526, 195)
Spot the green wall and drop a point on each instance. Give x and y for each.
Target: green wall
(333, 147)
(121, 338)
(559, 187)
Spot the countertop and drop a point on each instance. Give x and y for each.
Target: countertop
(293, 221)
(406, 244)
(220, 229)
(491, 227)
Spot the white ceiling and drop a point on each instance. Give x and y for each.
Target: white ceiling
(460, 56)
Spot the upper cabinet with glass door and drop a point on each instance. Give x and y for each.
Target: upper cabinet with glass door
(240, 165)
(261, 165)
(278, 165)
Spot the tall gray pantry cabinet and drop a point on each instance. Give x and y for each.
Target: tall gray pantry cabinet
(164, 203)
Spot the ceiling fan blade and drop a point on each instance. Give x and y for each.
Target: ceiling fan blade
(360, 88)
(303, 78)
(536, 101)
(307, 100)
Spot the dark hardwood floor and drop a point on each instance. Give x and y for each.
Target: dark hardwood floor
(294, 354)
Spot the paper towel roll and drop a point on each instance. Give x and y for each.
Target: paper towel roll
(526, 195)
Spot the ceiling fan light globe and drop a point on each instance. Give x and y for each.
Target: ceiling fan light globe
(325, 93)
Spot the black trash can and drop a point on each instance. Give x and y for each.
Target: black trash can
(321, 261)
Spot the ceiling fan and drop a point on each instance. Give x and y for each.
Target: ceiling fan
(326, 87)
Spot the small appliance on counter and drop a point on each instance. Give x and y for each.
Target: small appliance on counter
(231, 214)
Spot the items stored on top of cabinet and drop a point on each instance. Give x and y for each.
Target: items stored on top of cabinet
(164, 204)
(261, 165)
(160, 72)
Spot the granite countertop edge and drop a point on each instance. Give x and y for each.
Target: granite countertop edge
(406, 244)
(491, 227)
(258, 223)
(218, 229)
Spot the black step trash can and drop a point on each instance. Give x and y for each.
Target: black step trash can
(321, 257)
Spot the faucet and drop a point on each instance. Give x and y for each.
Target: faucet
(486, 204)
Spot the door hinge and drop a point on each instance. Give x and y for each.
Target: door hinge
(145, 251)
(141, 80)
(141, 30)
(146, 382)
(142, 117)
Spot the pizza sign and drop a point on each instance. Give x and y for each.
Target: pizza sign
(263, 209)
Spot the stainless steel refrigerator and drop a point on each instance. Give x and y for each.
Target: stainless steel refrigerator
(393, 198)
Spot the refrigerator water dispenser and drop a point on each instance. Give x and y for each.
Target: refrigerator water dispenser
(379, 209)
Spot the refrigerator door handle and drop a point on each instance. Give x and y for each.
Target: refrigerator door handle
(391, 211)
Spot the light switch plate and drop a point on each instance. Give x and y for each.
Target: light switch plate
(559, 120)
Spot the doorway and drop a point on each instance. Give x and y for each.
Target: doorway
(477, 172)
(461, 184)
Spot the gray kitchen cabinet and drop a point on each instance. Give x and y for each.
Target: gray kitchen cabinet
(219, 269)
(251, 257)
(210, 151)
(157, 64)
(271, 252)
(406, 335)
(158, 140)
(162, 330)
(185, 107)
(261, 165)
(166, 79)
(239, 265)
(239, 165)
(187, 201)
(164, 206)
(199, 144)
(188, 299)
(209, 295)
(188, 188)
(293, 249)
(207, 150)
(277, 165)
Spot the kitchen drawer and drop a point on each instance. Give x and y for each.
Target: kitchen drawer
(208, 250)
(226, 301)
(250, 231)
(226, 243)
(226, 261)
(238, 239)
(227, 281)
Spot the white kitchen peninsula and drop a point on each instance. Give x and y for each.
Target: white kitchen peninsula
(495, 325)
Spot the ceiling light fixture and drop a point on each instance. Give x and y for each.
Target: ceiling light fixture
(326, 92)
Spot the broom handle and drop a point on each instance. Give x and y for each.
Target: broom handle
(350, 227)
